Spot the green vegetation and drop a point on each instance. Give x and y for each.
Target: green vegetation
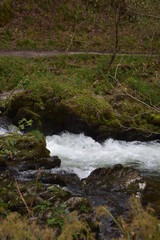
(17, 228)
(15, 147)
(81, 83)
(144, 224)
(6, 12)
(106, 96)
(141, 224)
(55, 220)
(85, 25)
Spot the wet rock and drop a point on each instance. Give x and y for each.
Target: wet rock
(54, 162)
(112, 188)
(64, 179)
(44, 163)
(117, 178)
(151, 193)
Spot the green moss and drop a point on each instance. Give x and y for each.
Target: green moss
(79, 85)
(91, 109)
(23, 147)
(155, 119)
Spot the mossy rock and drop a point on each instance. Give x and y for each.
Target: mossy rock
(51, 115)
(94, 116)
(6, 13)
(155, 119)
(20, 100)
(29, 115)
(25, 147)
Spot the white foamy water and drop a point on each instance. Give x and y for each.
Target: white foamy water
(81, 154)
(3, 131)
(8, 129)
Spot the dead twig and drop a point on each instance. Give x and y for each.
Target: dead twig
(130, 95)
(22, 198)
(139, 129)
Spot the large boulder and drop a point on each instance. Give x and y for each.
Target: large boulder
(50, 115)
(112, 188)
(114, 179)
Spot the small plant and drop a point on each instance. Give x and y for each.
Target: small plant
(61, 213)
(3, 207)
(43, 206)
(24, 123)
(84, 209)
(9, 149)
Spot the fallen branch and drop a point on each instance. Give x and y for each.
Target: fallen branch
(139, 129)
(131, 96)
(22, 198)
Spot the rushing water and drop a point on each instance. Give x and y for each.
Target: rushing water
(9, 129)
(6, 126)
(82, 154)
(3, 131)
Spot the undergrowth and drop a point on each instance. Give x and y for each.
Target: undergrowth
(15, 227)
(142, 224)
(85, 25)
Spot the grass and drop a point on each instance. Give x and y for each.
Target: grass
(142, 223)
(86, 74)
(17, 228)
(82, 83)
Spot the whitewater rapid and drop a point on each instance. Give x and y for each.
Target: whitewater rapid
(82, 154)
(3, 131)
(9, 129)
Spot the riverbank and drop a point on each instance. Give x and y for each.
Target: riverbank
(77, 93)
(122, 103)
(35, 186)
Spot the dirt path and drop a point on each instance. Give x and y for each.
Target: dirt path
(34, 54)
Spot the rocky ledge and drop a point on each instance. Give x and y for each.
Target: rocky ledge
(54, 114)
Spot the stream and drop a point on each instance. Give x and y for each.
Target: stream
(82, 154)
